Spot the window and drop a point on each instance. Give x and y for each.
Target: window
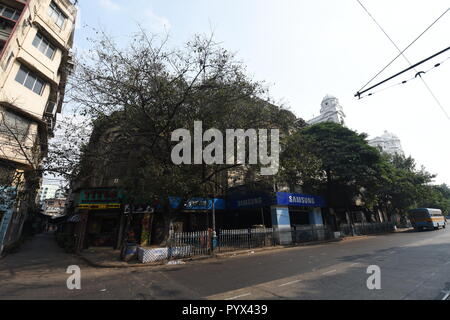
(57, 15)
(50, 107)
(14, 125)
(43, 45)
(30, 80)
(11, 56)
(9, 13)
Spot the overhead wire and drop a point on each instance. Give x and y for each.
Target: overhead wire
(416, 75)
(402, 53)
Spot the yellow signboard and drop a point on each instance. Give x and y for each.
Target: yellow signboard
(99, 206)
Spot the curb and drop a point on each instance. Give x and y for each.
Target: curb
(117, 266)
(199, 258)
(226, 254)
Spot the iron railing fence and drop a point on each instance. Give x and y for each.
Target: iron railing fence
(304, 234)
(366, 228)
(189, 244)
(203, 243)
(232, 240)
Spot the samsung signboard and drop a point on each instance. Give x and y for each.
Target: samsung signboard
(281, 199)
(300, 200)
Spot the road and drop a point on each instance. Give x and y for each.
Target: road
(413, 265)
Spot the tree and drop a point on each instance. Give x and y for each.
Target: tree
(348, 167)
(22, 148)
(403, 185)
(140, 95)
(299, 166)
(435, 196)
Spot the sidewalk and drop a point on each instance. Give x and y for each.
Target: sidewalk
(37, 270)
(109, 258)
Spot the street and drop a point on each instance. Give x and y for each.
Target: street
(413, 266)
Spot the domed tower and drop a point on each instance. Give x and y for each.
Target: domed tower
(388, 143)
(330, 111)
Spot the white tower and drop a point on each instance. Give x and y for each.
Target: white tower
(388, 143)
(330, 111)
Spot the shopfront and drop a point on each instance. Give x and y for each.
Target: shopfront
(197, 214)
(103, 211)
(281, 211)
(249, 211)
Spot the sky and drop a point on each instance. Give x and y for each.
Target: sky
(307, 49)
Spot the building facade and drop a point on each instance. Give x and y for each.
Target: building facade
(49, 191)
(330, 111)
(54, 207)
(388, 143)
(36, 37)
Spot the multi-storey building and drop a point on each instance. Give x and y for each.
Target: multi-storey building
(330, 111)
(49, 191)
(54, 207)
(388, 143)
(35, 41)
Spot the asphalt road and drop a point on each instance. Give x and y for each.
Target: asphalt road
(413, 265)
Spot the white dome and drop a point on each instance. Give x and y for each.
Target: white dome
(389, 135)
(328, 97)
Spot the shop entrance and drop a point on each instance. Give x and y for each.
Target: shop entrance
(102, 229)
(299, 216)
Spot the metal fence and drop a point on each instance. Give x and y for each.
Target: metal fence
(190, 244)
(366, 228)
(232, 240)
(304, 234)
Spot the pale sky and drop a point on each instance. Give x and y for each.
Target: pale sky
(307, 49)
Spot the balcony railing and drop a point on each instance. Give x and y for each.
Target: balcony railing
(50, 120)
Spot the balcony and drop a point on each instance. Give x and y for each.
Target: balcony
(50, 117)
(70, 5)
(50, 120)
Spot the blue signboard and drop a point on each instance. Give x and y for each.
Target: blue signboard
(198, 204)
(251, 202)
(299, 200)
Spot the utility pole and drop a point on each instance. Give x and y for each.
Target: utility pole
(214, 233)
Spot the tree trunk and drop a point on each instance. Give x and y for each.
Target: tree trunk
(331, 218)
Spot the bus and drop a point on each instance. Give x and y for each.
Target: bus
(425, 218)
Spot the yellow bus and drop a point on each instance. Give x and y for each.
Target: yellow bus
(426, 218)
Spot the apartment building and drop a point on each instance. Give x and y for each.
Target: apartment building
(36, 37)
(49, 191)
(54, 207)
